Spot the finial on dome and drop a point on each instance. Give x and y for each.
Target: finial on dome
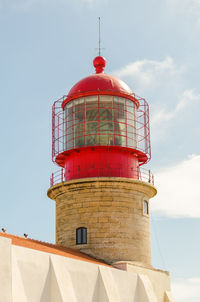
(99, 64)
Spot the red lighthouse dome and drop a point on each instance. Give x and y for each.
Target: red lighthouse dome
(100, 83)
(101, 128)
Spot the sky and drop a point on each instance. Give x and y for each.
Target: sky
(154, 46)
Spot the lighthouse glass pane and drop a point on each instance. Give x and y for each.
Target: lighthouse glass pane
(79, 105)
(78, 117)
(130, 106)
(69, 108)
(130, 143)
(78, 142)
(130, 131)
(120, 140)
(106, 127)
(70, 144)
(121, 127)
(104, 140)
(91, 140)
(106, 101)
(100, 120)
(116, 114)
(107, 140)
(91, 102)
(79, 129)
(119, 115)
(91, 127)
(91, 115)
(106, 114)
(130, 115)
(79, 135)
(119, 102)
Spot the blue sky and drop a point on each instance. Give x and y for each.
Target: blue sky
(46, 47)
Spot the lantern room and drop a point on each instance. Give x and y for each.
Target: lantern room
(100, 129)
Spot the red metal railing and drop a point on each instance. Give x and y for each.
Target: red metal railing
(142, 174)
(62, 140)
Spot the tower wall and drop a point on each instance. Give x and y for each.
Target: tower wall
(112, 211)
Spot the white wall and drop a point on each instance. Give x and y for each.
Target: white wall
(28, 275)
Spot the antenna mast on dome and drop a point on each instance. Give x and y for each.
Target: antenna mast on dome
(99, 48)
(99, 36)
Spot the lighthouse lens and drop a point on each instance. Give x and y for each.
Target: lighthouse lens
(100, 120)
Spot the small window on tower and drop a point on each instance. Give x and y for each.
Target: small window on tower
(145, 207)
(81, 236)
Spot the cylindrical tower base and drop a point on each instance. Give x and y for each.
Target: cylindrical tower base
(114, 211)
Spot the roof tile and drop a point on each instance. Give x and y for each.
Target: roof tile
(51, 248)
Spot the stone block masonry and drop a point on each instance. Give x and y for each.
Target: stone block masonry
(111, 209)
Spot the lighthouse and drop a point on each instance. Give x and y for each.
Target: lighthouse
(102, 192)
(101, 142)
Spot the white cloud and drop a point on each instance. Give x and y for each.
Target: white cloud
(187, 99)
(185, 290)
(162, 120)
(163, 81)
(178, 189)
(150, 73)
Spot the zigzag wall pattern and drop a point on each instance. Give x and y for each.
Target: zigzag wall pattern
(28, 275)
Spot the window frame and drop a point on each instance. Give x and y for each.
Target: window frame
(145, 210)
(81, 230)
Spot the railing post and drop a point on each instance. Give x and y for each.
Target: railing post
(139, 173)
(62, 175)
(52, 179)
